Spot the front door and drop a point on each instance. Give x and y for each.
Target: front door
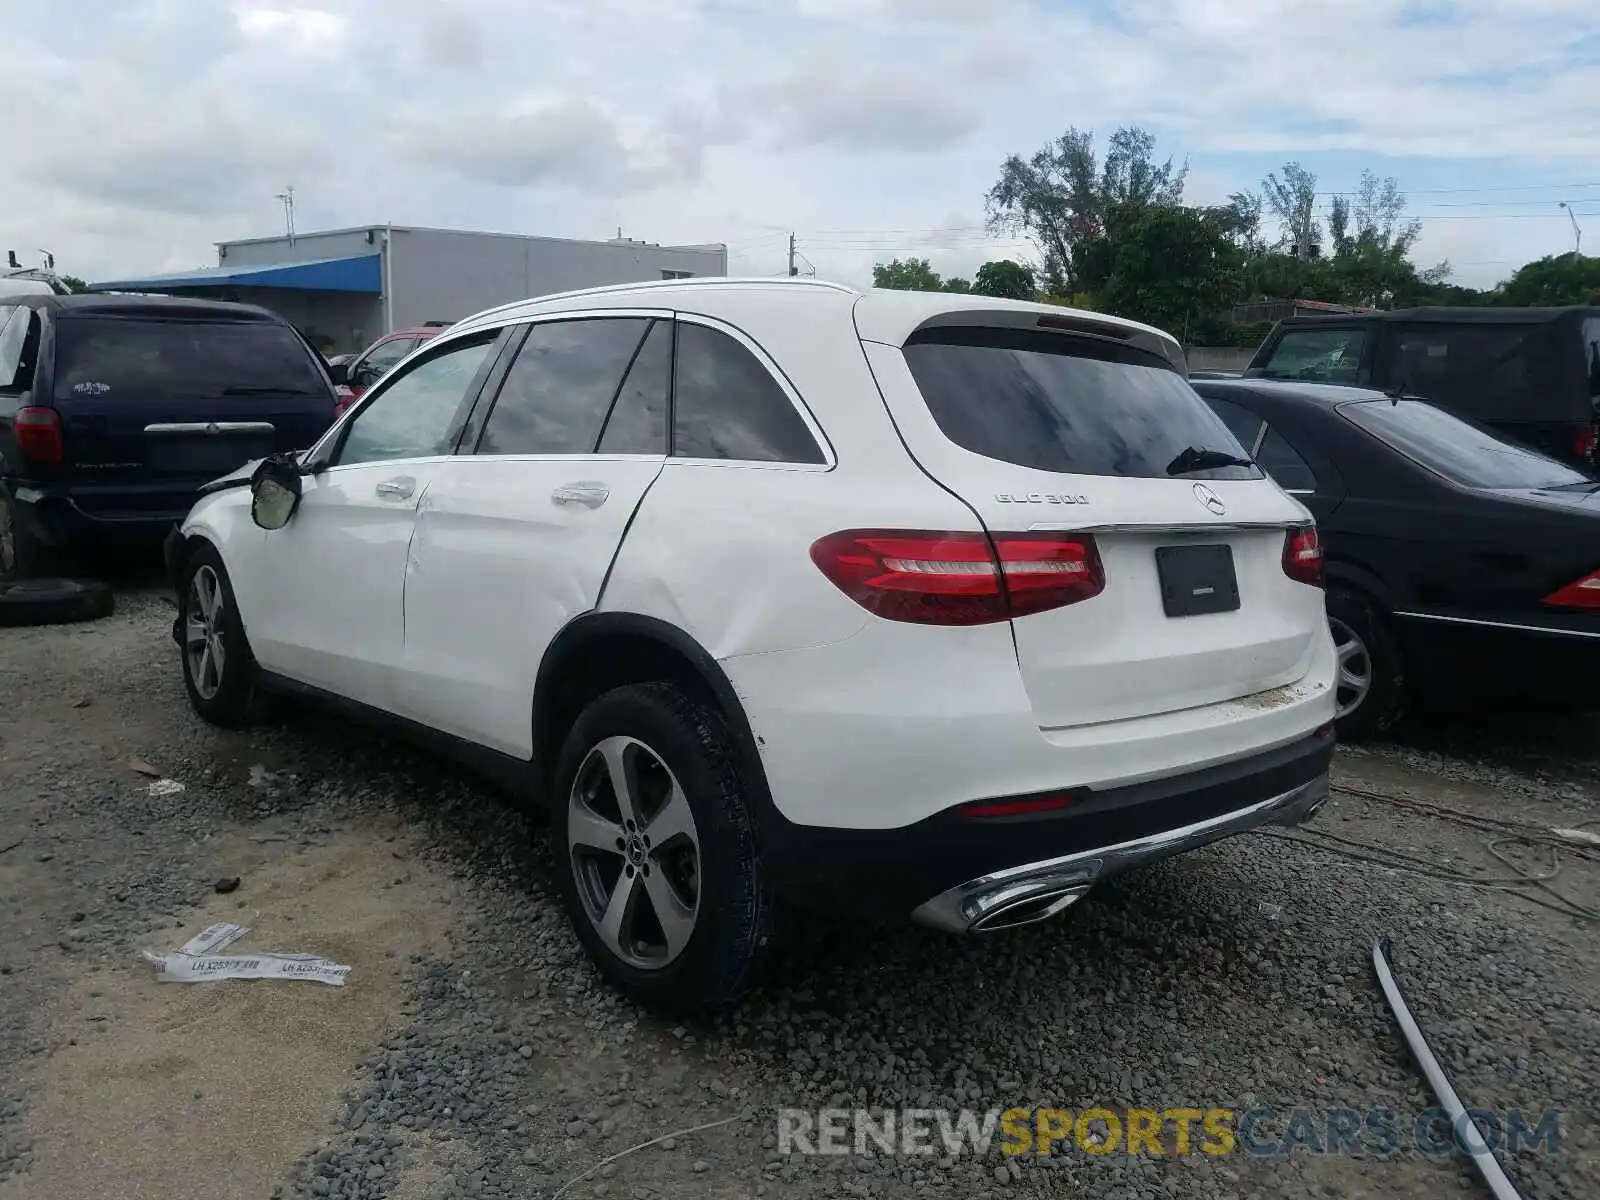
(334, 615)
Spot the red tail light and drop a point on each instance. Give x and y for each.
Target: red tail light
(1302, 555)
(1584, 441)
(38, 433)
(1580, 593)
(933, 578)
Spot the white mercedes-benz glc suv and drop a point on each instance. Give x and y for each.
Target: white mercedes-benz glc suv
(929, 604)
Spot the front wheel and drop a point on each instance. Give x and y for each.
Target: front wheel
(657, 861)
(218, 670)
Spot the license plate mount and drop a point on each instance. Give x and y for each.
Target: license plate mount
(1197, 580)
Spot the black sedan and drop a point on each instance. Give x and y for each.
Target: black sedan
(1462, 570)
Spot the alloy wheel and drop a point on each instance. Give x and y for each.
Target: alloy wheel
(634, 852)
(202, 637)
(1355, 668)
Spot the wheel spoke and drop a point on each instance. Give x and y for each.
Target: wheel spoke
(674, 820)
(614, 751)
(676, 918)
(617, 912)
(585, 827)
(205, 592)
(205, 679)
(195, 633)
(219, 656)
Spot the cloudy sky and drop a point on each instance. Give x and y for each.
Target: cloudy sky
(139, 132)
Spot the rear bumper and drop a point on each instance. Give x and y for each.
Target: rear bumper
(1487, 660)
(58, 516)
(959, 874)
(1033, 891)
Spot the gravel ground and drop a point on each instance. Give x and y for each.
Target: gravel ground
(497, 1065)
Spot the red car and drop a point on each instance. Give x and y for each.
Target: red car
(374, 362)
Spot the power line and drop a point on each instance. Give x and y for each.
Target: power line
(1510, 187)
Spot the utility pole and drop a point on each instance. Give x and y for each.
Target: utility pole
(286, 198)
(793, 270)
(1577, 234)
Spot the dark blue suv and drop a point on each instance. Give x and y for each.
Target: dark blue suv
(115, 409)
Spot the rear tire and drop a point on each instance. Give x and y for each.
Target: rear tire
(1371, 682)
(664, 886)
(219, 672)
(54, 602)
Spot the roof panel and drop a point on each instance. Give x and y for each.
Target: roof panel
(361, 273)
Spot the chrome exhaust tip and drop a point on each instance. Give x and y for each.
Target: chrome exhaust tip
(1005, 911)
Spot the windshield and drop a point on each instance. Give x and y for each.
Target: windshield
(1065, 404)
(112, 357)
(1461, 452)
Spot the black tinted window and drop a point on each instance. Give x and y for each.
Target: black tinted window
(638, 420)
(727, 405)
(558, 391)
(111, 357)
(1325, 355)
(14, 323)
(1463, 453)
(1241, 422)
(1059, 403)
(1480, 369)
(1278, 459)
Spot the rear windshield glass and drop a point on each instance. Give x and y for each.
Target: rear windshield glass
(1461, 452)
(111, 357)
(1066, 404)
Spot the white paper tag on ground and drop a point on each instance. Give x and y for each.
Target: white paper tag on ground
(201, 968)
(1588, 836)
(213, 938)
(165, 787)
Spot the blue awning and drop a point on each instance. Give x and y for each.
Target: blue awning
(363, 273)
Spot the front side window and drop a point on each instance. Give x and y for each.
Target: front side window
(727, 405)
(1464, 454)
(559, 389)
(1317, 355)
(125, 357)
(415, 415)
(1059, 403)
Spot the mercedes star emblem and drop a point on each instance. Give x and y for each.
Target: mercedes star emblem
(1210, 499)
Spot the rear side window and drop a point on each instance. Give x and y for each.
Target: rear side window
(1065, 404)
(1323, 355)
(726, 404)
(113, 357)
(1591, 355)
(638, 420)
(559, 389)
(1279, 459)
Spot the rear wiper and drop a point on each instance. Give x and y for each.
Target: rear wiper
(1194, 458)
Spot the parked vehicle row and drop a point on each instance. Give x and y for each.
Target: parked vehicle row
(932, 605)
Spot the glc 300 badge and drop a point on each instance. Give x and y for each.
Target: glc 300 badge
(1039, 498)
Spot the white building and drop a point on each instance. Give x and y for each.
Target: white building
(346, 287)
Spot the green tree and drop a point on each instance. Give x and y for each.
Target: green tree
(907, 275)
(1006, 279)
(1174, 267)
(1553, 280)
(1065, 198)
(72, 283)
(1292, 199)
(956, 284)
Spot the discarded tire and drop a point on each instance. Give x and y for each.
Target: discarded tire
(54, 602)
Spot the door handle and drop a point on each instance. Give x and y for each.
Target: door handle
(397, 489)
(588, 494)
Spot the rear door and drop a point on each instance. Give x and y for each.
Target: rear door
(163, 401)
(515, 539)
(1042, 431)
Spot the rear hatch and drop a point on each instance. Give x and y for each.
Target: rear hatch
(1043, 431)
(155, 402)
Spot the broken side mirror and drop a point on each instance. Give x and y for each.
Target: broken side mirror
(275, 491)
